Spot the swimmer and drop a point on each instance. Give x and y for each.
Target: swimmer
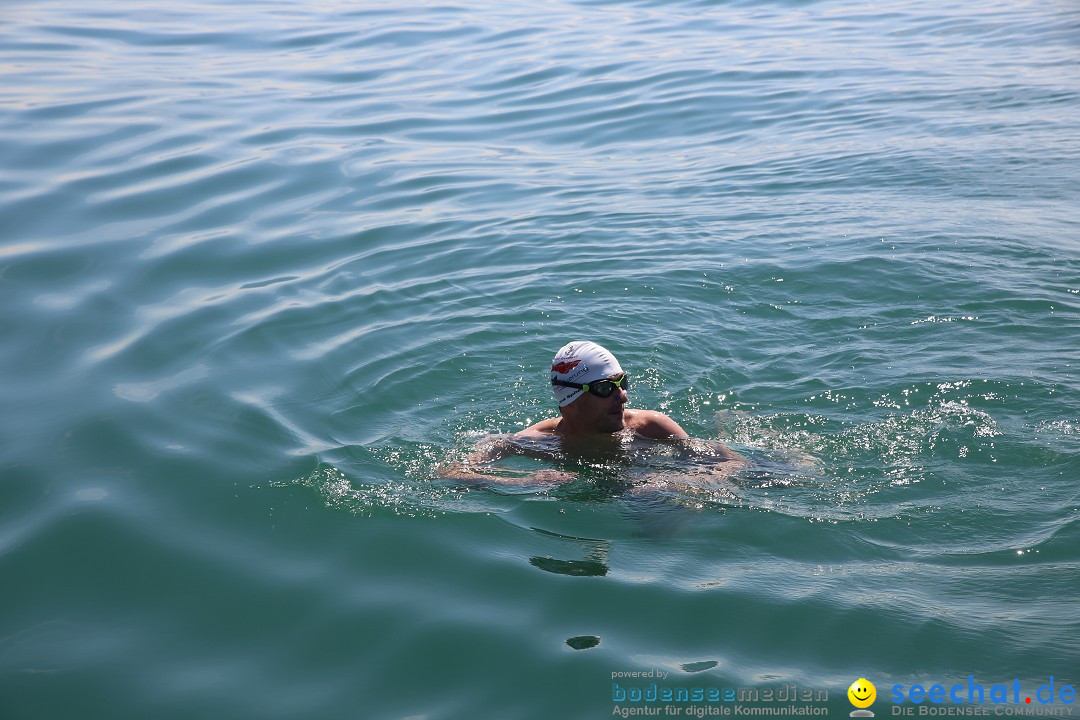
(591, 390)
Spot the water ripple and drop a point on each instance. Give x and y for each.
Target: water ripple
(263, 266)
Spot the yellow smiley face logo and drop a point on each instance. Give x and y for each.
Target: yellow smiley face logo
(862, 693)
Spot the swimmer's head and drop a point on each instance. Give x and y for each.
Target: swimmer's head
(580, 362)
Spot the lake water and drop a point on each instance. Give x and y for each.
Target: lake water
(264, 265)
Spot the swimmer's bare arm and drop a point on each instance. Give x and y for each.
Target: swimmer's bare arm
(476, 468)
(713, 450)
(658, 426)
(711, 468)
(488, 476)
(654, 425)
(711, 459)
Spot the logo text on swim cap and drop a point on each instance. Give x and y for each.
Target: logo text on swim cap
(565, 366)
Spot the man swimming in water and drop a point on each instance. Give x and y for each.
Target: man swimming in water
(591, 390)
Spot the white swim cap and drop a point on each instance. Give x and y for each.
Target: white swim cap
(582, 362)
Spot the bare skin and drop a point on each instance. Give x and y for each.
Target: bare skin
(593, 415)
(588, 425)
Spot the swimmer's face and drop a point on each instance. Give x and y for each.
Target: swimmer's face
(862, 693)
(603, 415)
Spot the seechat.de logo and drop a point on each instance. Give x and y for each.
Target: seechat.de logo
(862, 694)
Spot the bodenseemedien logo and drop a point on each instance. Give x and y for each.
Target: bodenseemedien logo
(862, 694)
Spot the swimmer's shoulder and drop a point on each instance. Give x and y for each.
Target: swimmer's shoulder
(542, 428)
(653, 424)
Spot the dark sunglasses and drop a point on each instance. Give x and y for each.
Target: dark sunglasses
(600, 388)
